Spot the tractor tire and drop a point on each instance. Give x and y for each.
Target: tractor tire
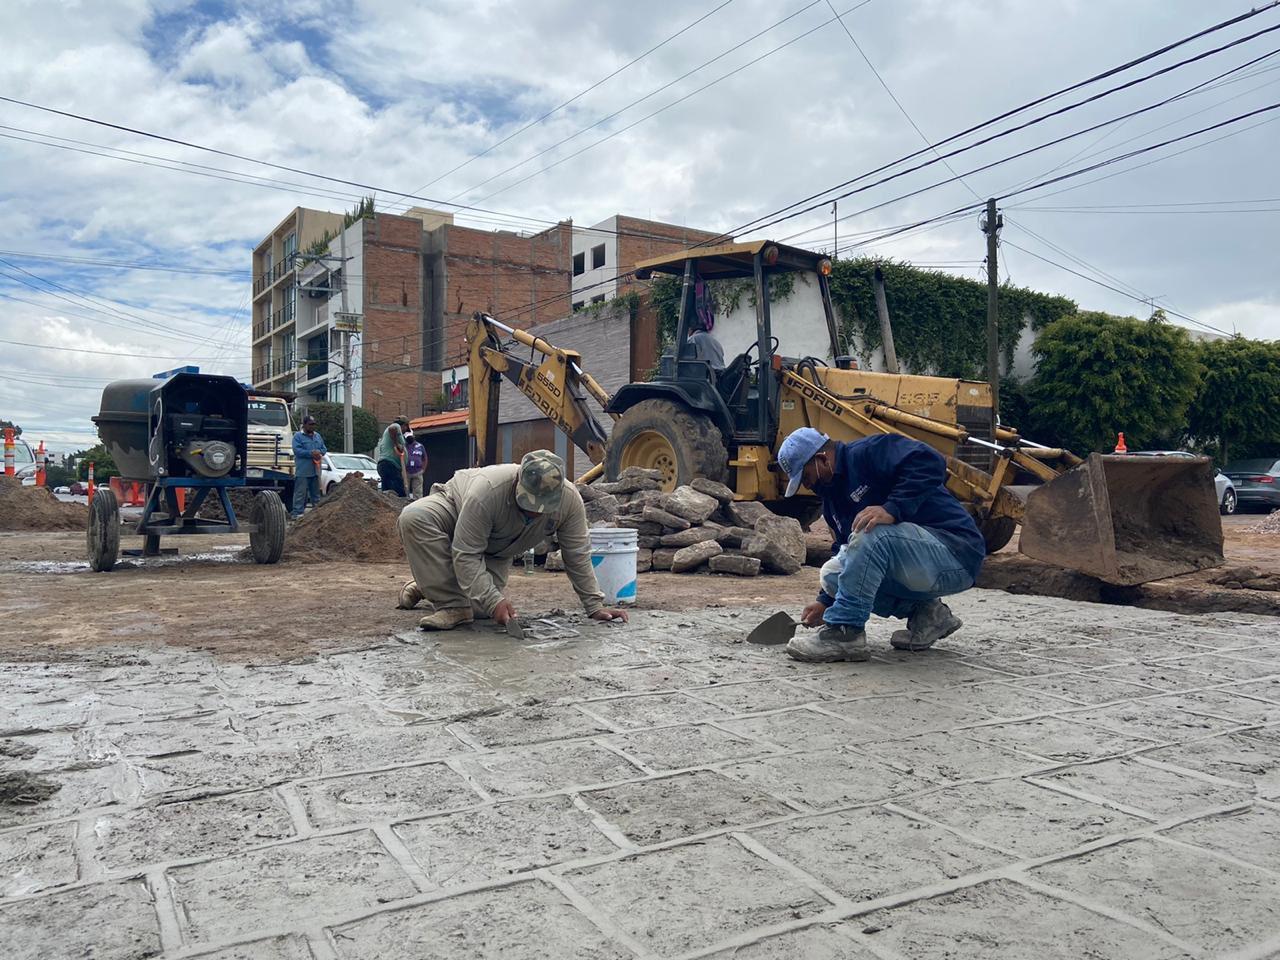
(269, 522)
(663, 435)
(104, 531)
(997, 532)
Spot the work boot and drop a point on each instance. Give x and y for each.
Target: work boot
(445, 619)
(410, 596)
(831, 644)
(928, 623)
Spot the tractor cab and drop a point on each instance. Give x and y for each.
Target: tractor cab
(715, 362)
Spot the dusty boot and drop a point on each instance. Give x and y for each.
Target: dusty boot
(445, 619)
(410, 596)
(830, 645)
(928, 623)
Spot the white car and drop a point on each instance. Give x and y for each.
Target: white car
(335, 466)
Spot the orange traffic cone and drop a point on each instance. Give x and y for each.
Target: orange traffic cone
(1120, 447)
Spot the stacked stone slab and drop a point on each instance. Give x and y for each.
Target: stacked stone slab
(695, 527)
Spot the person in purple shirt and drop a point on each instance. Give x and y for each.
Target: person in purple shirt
(901, 541)
(415, 464)
(308, 453)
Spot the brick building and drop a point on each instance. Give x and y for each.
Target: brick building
(415, 279)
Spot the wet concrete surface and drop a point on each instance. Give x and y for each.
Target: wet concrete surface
(1056, 780)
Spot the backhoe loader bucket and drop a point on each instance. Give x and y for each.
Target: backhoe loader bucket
(1126, 519)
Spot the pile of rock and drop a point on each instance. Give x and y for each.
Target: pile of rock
(694, 527)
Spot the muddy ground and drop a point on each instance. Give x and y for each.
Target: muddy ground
(209, 598)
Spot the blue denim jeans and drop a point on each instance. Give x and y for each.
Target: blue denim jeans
(889, 571)
(305, 488)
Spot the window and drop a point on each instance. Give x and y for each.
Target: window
(598, 298)
(597, 256)
(290, 247)
(579, 305)
(579, 264)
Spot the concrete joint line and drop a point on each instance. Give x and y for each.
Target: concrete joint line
(595, 917)
(837, 900)
(1217, 855)
(292, 800)
(1110, 913)
(453, 764)
(166, 907)
(609, 724)
(649, 772)
(392, 843)
(616, 836)
(465, 738)
(1194, 774)
(1266, 950)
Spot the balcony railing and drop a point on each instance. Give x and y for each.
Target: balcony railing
(262, 373)
(261, 328)
(268, 277)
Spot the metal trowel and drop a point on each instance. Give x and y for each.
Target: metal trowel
(515, 629)
(774, 630)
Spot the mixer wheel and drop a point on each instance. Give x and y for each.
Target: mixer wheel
(269, 519)
(104, 531)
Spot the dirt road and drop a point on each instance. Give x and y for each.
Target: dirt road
(209, 599)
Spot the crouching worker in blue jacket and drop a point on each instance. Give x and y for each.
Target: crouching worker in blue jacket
(902, 540)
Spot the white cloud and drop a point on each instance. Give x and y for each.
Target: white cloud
(395, 94)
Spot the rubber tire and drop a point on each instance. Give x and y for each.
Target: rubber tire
(328, 491)
(269, 520)
(1229, 503)
(103, 535)
(997, 532)
(697, 442)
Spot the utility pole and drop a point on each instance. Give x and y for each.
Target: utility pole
(991, 227)
(347, 428)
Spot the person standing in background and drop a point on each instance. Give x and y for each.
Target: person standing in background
(308, 453)
(415, 464)
(390, 456)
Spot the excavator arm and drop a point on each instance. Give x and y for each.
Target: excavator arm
(550, 377)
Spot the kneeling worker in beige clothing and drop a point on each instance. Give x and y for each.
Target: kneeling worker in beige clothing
(461, 539)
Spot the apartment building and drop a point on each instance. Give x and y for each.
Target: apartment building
(415, 279)
(606, 252)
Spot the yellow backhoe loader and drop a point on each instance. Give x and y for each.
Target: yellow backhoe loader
(1125, 520)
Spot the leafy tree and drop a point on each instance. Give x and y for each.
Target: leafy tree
(364, 426)
(58, 476)
(104, 467)
(1097, 375)
(1236, 411)
(939, 320)
(17, 430)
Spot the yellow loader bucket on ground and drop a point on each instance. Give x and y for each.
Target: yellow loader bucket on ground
(1126, 519)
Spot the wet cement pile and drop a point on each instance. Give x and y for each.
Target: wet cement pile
(355, 522)
(36, 508)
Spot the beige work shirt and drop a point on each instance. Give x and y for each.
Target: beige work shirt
(490, 524)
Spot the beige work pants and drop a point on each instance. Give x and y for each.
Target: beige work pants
(426, 530)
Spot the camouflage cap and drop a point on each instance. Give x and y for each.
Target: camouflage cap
(540, 482)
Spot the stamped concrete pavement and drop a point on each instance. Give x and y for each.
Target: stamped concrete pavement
(1056, 780)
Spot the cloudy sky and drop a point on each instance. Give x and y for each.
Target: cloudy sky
(124, 254)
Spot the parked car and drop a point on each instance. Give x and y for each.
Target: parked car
(335, 466)
(24, 461)
(1257, 482)
(79, 489)
(1223, 485)
(62, 490)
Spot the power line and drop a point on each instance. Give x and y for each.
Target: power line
(995, 163)
(578, 96)
(896, 102)
(1114, 289)
(648, 96)
(754, 224)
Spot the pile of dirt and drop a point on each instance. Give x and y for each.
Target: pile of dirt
(1268, 524)
(355, 522)
(36, 508)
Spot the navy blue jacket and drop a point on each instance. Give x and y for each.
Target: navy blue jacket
(906, 477)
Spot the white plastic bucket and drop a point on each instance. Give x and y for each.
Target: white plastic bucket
(613, 555)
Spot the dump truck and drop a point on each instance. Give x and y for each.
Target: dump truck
(1124, 520)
